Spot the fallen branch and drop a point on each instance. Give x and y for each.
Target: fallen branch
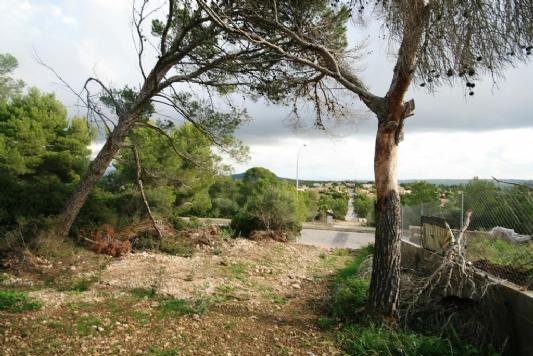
(453, 260)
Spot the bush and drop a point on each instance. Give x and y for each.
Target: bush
(269, 204)
(17, 302)
(338, 202)
(243, 224)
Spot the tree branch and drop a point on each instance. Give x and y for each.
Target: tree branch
(141, 188)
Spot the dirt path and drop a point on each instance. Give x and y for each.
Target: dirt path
(242, 298)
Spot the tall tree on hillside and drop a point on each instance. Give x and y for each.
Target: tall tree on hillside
(438, 42)
(42, 156)
(191, 50)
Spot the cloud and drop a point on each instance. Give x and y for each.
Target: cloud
(500, 153)
(451, 135)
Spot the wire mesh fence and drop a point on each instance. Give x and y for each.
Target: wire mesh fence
(499, 236)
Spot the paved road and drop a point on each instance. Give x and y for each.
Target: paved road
(331, 238)
(350, 214)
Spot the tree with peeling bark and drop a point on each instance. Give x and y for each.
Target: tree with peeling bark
(194, 51)
(438, 42)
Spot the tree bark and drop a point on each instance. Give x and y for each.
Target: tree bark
(384, 293)
(385, 281)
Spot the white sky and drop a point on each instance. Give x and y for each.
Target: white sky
(450, 136)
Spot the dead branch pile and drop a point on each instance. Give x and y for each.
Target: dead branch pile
(451, 296)
(107, 241)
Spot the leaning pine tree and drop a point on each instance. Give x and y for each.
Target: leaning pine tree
(439, 42)
(194, 54)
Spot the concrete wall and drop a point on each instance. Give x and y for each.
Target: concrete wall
(511, 308)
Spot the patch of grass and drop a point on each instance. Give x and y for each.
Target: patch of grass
(238, 271)
(376, 339)
(141, 293)
(157, 351)
(140, 316)
(17, 302)
(322, 255)
(349, 292)
(326, 322)
(87, 325)
(81, 284)
(275, 297)
(482, 246)
(224, 293)
(79, 306)
(353, 266)
(349, 297)
(171, 308)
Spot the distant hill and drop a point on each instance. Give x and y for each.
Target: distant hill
(447, 182)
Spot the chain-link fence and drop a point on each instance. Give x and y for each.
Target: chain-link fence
(499, 236)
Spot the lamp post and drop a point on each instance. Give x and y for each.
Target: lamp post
(297, 167)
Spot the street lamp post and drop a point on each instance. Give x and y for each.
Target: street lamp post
(297, 167)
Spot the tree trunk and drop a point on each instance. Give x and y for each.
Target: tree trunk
(96, 170)
(385, 282)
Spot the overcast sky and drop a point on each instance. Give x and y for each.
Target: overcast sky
(450, 136)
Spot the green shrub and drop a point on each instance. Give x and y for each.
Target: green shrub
(227, 232)
(179, 223)
(17, 302)
(243, 224)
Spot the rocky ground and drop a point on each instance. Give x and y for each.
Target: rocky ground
(240, 298)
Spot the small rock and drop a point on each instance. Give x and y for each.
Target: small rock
(296, 286)
(101, 329)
